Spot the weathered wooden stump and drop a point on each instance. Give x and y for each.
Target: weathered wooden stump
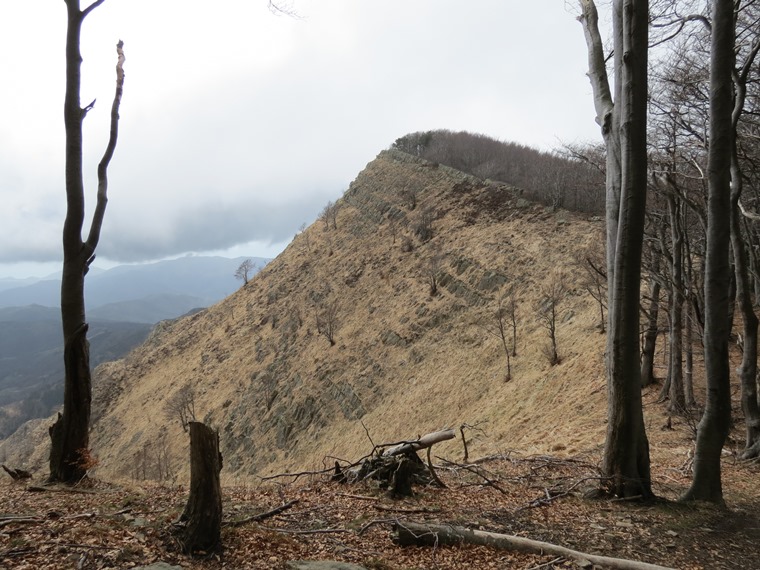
(203, 512)
(409, 468)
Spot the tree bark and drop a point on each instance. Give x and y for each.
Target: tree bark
(626, 455)
(676, 391)
(423, 534)
(748, 368)
(716, 420)
(652, 330)
(70, 434)
(203, 512)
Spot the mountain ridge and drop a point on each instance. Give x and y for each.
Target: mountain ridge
(404, 362)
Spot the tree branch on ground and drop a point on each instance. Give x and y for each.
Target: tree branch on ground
(408, 533)
(262, 516)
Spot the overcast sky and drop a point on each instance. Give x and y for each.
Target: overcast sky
(238, 125)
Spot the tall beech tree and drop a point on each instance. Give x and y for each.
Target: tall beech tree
(748, 369)
(622, 119)
(69, 452)
(716, 420)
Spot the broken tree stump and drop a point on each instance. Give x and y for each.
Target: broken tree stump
(403, 476)
(203, 513)
(17, 474)
(397, 466)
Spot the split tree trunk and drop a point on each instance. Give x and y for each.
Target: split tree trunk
(70, 434)
(748, 369)
(626, 455)
(203, 512)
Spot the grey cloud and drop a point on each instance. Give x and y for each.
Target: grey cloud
(237, 158)
(206, 227)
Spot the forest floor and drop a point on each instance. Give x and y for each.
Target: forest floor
(105, 525)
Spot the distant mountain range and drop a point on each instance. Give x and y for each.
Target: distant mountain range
(139, 293)
(31, 359)
(123, 304)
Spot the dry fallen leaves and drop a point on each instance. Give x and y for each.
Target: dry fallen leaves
(121, 526)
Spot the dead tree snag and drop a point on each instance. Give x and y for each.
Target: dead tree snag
(203, 512)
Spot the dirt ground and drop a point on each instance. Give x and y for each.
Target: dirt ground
(538, 497)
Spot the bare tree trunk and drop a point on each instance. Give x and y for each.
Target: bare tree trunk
(688, 378)
(676, 392)
(653, 316)
(665, 390)
(754, 268)
(748, 369)
(203, 512)
(623, 123)
(713, 428)
(70, 434)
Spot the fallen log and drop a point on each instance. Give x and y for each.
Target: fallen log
(409, 533)
(421, 443)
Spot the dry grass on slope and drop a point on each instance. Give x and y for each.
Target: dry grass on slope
(404, 362)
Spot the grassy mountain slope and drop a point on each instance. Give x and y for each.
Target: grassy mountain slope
(404, 362)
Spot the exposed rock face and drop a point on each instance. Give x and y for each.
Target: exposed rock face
(283, 398)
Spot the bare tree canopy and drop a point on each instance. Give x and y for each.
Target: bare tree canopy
(245, 270)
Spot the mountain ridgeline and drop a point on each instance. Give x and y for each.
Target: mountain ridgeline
(571, 178)
(377, 322)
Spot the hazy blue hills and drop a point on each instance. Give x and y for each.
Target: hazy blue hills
(31, 358)
(140, 293)
(14, 283)
(123, 304)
